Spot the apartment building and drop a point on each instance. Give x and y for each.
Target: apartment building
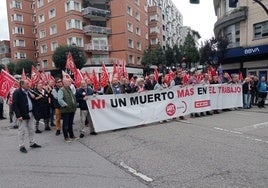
(246, 27)
(106, 30)
(184, 32)
(5, 55)
(170, 19)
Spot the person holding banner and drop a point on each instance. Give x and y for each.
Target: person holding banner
(82, 95)
(67, 101)
(247, 93)
(140, 87)
(23, 107)
(115, 87)
(150, 82)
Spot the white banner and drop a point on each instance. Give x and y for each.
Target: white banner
(110, 112)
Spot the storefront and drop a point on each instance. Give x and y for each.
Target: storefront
(250, 60)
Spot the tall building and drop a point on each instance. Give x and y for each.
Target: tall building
(105, 30)
(5, 55)
(246, 27)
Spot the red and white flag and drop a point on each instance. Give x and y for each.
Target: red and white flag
(78, 77)
(125, 73)
(156, 74)
(6, 83)
(35, 75)
(115, 71)
(23, 75)
(95, 81)
(43, 76)
(50, 77)
(104, 77)
(70, 63)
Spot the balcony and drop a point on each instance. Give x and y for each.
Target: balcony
(101, 48)
(99, 61)
(236, 16)
(97, 30)
(95, 13)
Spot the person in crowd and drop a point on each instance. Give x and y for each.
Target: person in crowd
(133, 82)
(140, 86)
(193, 80)
(226, 78)
(82, 95)
(205, 81)
(41, 108)
(254, 90)
(262, 90)
(50, 86)
(161, 83)
(126, 88)
(246, 88)
(150, 82)
(67, 101)
(12, 117)
(215, 80)
(56, 105)
(23, 107)
(115, 87)
(235, 79)
(2, 108)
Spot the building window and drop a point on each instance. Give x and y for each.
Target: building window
(72, 5)
(154, 30)
(154, 41)
(18, 30)
(129, 10)
(49, 1)
(40, 3)
(131, 59)
(41, 18)
(17, 17)
(130, 43)
(53, 30)
(137, 2)
(138, 31)
(139, 46)
(139, 60)
(146, 36)
(35, 42)
(34, 18)
(232, 33)
(34, 30)
(74, 24)
(20, 55)
(146, 22)
(153, 18)
(52, 13)
(32, 6)
(138, 16)
(43, 49)
(42, 34)
(20, 43)
(260, 30)
(45, 64)
(15, 4)
(130, 27)
(75, 41)
(54, 46)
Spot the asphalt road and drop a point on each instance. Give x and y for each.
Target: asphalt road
(225, 150)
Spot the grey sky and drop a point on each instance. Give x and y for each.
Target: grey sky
(199, 17)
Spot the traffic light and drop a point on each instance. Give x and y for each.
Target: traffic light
(194, 1)
(233, 3)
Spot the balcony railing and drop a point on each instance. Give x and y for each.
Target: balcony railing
(93, 12)
(99, 61)
(92, 47)
(92, 29)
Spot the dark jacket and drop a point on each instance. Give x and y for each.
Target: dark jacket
(246, 88)
(20, 104)
(41, 108)
(54, 99)
(80, 94)
(178, 81)
(149, 85)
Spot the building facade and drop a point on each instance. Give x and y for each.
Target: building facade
(246, 28)
(5, 55)
(106, 30)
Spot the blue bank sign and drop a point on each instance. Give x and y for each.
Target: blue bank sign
(242, 52)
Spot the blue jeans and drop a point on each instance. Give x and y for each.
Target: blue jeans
(247, 100)
(67, 124)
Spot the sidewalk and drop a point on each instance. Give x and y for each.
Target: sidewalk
(56, 164)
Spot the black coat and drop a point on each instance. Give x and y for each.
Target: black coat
(80, 94)
(41, 108)
(20, 104)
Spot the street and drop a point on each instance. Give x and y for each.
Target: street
(229, 149)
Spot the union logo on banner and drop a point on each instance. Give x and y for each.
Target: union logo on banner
(6, 83)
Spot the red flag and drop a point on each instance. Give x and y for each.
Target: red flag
(185, 79)
(119, 69)
(23, 75)
(43, 76)
(200, 77)
(167, 78)
(88, 77)
(171, 75)
(6, 83)
(78, 77)
(50, 77)
(125, 73)
(115, 71)
(95, 81)
(240, 76)
(156, 74)
(104, 77)
(35, 75)
(70, 63)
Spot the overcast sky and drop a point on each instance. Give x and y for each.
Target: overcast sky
(199, 17)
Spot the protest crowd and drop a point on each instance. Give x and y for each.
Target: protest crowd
(54, 101)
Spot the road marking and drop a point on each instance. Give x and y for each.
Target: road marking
(253, 127)
(134, 172)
